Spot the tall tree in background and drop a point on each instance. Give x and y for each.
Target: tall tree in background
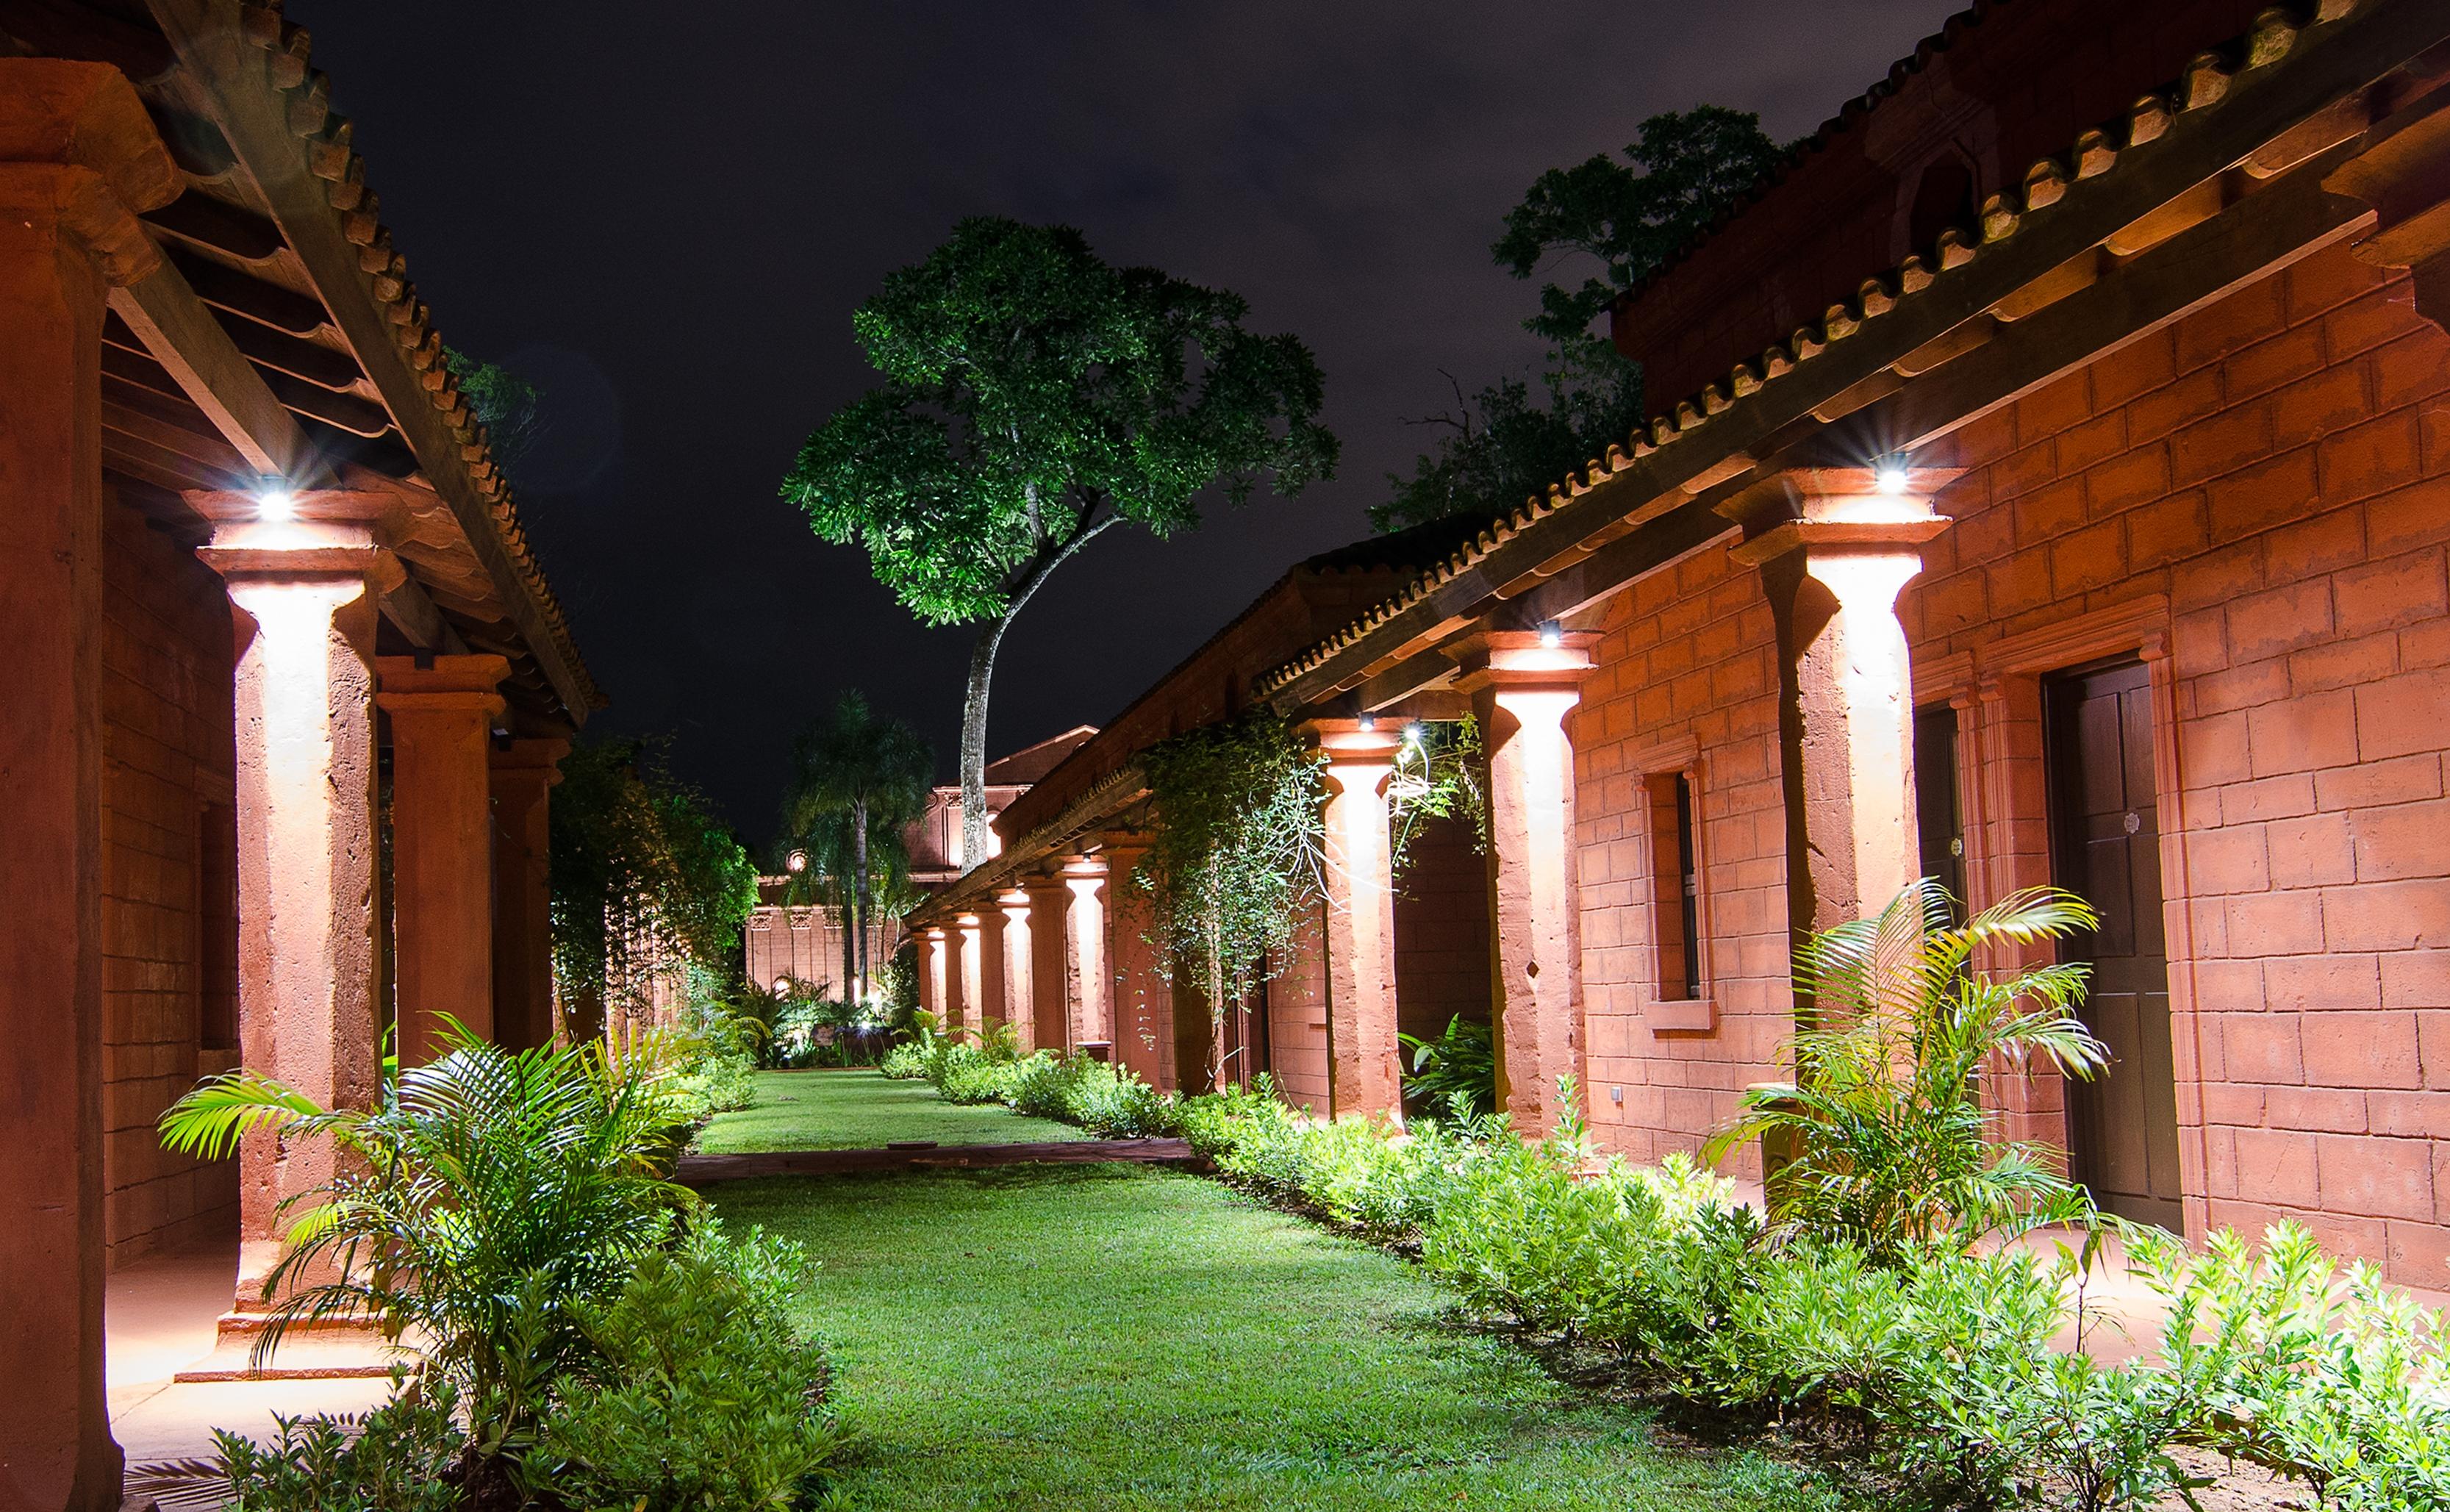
(1682, 171)
(510, 407)
(856, 781)
(1035, 398)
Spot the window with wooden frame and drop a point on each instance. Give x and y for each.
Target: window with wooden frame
(1672, 820)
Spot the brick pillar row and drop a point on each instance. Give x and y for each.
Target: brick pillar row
(1364, 1058)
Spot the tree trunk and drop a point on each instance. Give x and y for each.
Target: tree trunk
(1215, 1004)
(850, 915)
(858, 888)
(974, 744)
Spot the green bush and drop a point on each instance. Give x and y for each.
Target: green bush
(1457, 1070)
(394, 1459)
(703, 1395)
(904, 1062)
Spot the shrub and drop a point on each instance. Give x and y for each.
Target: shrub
(394, 1459)
(489, 1198)
(703, 1394)
(1457, 1070)
(904, 1062)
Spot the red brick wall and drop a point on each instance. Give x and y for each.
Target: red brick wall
(1297, 1022)
(1442, 929)
(2276, 470)
(168, 748)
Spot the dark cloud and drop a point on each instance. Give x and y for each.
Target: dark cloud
(665, 213)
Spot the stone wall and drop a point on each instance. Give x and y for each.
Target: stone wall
(169, 932)
(1442, 929)
(2256, 500)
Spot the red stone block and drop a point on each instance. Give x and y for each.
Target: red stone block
(2418, 1253)
(2403, 714)
(2188, 400)
(2370, 320)
(2281, 924)
(2266, 365)
(2412, 840)
(2409, 1114)
(2408, 517)
(2319, 1109)
(2239, 688)
(2220, 861)
(2373, 458)
(2217, 576)
(2260, 1047)
(2326, 281)
(2220, 444)
(2280, 620)
(2402, 591)
(2343, 663)
(2214, 751)
(2088, 558)
(2400, 780)
(2329, 983)
(2421, 979)
(2252, 314)
(2411, 369)
(2053, 407)
(2330, 400)
(2166, 530)
(2389, 1178)
(2389, 915)
(2305, 733)
(2267, 492)
(2278, 1167)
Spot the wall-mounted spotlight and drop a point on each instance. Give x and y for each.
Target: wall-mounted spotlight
(1367, 722)
(1551, 634)
(274, 502)
(1891, 479)
(1415, 733)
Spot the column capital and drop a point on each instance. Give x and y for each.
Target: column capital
(440, 685)
(1506, 660)
(329, 534)
(1013, 902)
(1082, 869)
(1364, 741)
(78, 150)
(540, 756)
(1842, 511)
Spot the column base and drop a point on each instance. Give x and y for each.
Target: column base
(333, 1350)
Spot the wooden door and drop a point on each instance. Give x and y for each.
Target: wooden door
(2122, 1125)
(1940, 826)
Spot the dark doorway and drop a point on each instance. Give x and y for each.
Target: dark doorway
(2123, 1125)
(1939, 822)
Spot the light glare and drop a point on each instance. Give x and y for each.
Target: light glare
(277, 504)
(1552, 635)
(1890, 480)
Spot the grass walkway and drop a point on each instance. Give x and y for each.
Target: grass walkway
(860, 1109)
(1090, 1338)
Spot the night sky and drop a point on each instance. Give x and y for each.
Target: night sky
(664, 211)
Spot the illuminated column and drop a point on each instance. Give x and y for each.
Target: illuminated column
(1087, 997)
(442, 711)
(1050, 962)
(77, 156)
(1019, 1001)
(524, 772)
(985, 951)
(1833, 562)
(1525, 684)
(931, 977)
(962, 973)
(306, 591)
(1363, 1060)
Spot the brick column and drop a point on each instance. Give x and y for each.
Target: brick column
(962, 972)
(931, 977)
(1088, 999)
(1524, 686)
(1363, 1060)
(306, 593)
(984, 936)
(1139, 999)
(1050, 962)
(1020, 998)
(442, 711)
(524, 772)
(1832, 563)
(76, 157)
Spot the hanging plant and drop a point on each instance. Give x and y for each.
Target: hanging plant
(1234, 857)
(1438, 768)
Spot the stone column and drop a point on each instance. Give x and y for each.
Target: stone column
(984, 935)
(1051, 988)
(442, 711)
(1524, 686)
(1833, 562)
(1140, 999)
(962, 972)
(1363, 1060)
(1020, 998)
(77, 156)
(931, 977)
(524, 772)
(306, 592)
(1088, 1002)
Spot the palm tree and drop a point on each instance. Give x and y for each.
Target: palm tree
(857, 780)
(1892, 1144)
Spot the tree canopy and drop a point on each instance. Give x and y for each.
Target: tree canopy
(1508, 442)
(508, 406)
(857, 779)
(1032, 397)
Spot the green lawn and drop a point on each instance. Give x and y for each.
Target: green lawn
(1120, 1337)
(860, 1109)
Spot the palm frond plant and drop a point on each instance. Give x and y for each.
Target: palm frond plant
(1892, 1146)
(485, 1200)
(1456, 1070)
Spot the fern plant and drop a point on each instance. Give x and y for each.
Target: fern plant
(480, 1204)
(1892, 1145)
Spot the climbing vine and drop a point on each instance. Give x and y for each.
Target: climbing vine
(1234, 856)
(1438, 769)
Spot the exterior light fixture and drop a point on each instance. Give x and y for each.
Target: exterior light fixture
(1414, 733)
(1551, 634)
(1367, 722)
(1890, 480)
(274, 502)
(782, 984)
(796, 862)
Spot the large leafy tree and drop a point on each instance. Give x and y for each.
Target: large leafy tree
(1506, 442)
(857, 779)
(1034, 398)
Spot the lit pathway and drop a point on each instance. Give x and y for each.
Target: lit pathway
(1092, 1337)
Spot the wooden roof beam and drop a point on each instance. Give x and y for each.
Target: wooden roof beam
(183, 336)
